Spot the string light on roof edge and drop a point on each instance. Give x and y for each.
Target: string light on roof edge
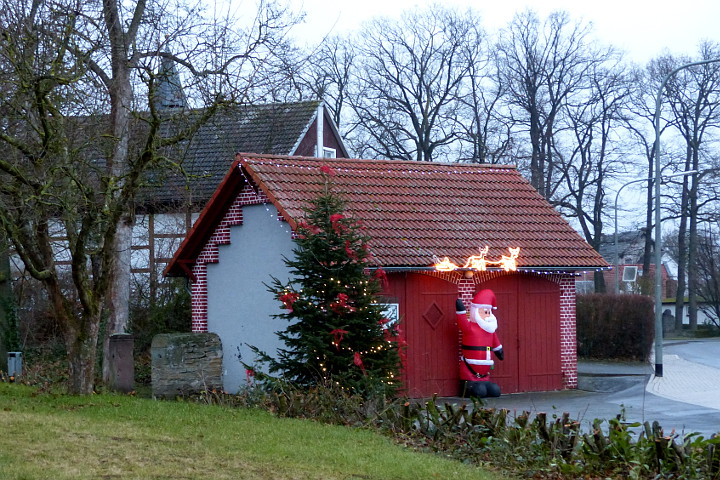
(479, 263)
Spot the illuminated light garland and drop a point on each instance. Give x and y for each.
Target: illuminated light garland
(480, 263)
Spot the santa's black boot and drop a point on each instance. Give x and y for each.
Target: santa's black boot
(493, 389)
(476, 389)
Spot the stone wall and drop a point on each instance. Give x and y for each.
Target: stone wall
(184, 363)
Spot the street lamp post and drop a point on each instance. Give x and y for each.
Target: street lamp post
(658, 230)
(617, 255)
(617, 195)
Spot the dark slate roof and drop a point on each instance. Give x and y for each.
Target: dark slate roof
(630, 247)
(415, 212)
(267, 129)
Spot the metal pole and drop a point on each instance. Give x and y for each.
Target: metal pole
(617, 256)
(658, 230)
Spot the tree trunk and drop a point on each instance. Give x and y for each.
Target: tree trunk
(682, 254)
(7, 330)
(692, 275)
(81, 330)
(121, 101)
(537, 174)
(692, 256)
(600, 286)
(82, 354)
(119, 295)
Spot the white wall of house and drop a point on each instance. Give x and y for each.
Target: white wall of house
(156, 237)
(240, 307)
(702, 317)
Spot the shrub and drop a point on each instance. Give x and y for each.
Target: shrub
(534, 446)
(615, 326)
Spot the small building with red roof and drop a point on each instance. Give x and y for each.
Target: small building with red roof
(418, 214)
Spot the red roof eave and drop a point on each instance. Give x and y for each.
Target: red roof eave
(268, 193)
(204, 226)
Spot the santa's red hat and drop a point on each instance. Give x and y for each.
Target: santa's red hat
(484, 298)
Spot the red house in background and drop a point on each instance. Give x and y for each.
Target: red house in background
(626, 252)
(416, 213)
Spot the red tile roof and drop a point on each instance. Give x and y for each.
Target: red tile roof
(418, 212)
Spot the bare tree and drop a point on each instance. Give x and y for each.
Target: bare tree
(331, 71)
(592, 155)
(410, 77)
(81, 128)
(485, 134)
(640, 124)
(542, 64)
(694, 98)
(708, 272)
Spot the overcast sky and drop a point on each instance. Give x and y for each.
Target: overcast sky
(642, 28)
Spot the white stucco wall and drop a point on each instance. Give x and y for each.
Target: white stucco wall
(240, 308)
(702, 317)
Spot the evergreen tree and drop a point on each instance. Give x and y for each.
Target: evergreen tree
(337, 332)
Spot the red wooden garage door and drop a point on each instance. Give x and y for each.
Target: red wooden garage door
(528, 313)
(427, 315)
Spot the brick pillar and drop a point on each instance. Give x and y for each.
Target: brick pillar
(568, 332)
(199, 299)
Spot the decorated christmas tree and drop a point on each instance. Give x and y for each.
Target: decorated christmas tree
(336, 330)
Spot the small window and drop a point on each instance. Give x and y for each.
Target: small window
(391, 311)
(630, 273)
(329, 152)
(585, 286)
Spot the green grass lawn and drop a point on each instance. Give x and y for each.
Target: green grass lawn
(121, 437)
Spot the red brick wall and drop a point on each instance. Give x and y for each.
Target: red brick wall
(199, 298)
(210, 254)
(568, 324)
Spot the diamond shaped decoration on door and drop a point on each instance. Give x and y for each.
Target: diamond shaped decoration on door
(433, 315)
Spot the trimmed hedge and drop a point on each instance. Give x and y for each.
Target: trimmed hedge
(618, 327)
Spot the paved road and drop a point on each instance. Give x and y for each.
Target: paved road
(685, 400)
(704, 352)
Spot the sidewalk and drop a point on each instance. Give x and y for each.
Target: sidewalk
(687, 382)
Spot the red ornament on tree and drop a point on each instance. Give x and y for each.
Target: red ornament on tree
(338, 334)
(288, 299)
(358, 361)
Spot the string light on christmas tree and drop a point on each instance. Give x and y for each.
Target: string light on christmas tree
(338, 309)
(479, 263)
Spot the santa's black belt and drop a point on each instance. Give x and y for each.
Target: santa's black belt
(472, 370)
(474, 347)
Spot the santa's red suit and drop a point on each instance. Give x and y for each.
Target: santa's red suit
(479, 340)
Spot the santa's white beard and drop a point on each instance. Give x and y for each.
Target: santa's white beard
(489, 324)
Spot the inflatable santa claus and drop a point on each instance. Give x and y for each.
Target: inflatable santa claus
(479, 343)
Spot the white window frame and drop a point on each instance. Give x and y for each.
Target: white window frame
(630, 273)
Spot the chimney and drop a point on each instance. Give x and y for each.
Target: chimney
(320, 123)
